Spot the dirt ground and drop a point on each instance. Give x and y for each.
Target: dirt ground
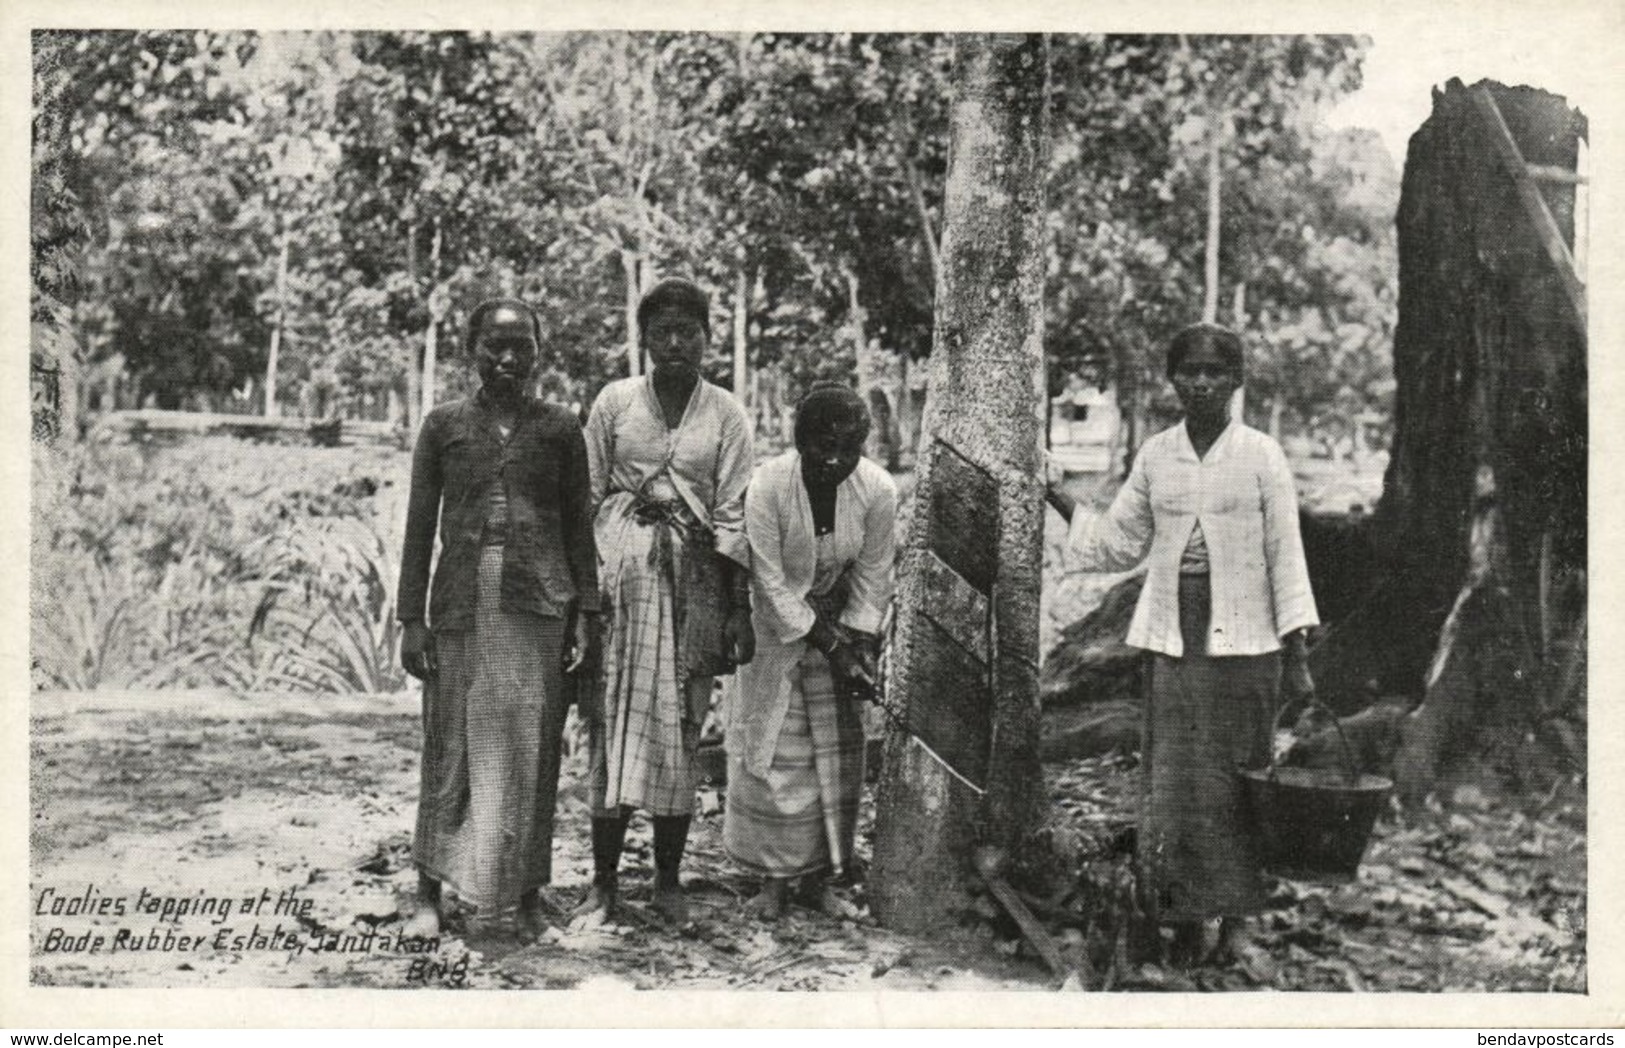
(200, 839)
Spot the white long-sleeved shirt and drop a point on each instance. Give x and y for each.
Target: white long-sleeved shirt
(784, 557)
(784, 551)
(1244, 497)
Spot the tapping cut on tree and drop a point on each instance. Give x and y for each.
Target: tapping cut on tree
(964, 659)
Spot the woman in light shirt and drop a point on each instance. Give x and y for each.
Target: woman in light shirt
(1211, 507)
(669, 455)
(821, 520)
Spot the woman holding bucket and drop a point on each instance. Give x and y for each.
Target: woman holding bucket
(1210, 505)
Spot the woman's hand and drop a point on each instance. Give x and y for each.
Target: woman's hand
(583, 642)
(1054, 472)
(852, 663)
(417, 652)
(852, 676)
(867, 648)
(739, 636)
(825, 636)
(1297, 686)
(1054, 490)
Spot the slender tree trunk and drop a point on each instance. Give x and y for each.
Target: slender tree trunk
(1238, 314)
(1135, 412)
(741, 328)
(908, 414)
(908, 426)
(856, 323)
(1210, 261)
(635, 241)
(634, 288)
(908, 431)
(866, 366)
(964, 656)
(414, 385)
(927, 232)
(271, 410)
(431, 337)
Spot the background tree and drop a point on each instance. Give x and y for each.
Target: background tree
(427, 135)
(125, 126)
(1131, 177)
(798, 177)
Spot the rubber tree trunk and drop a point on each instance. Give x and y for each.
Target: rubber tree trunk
(964, 656)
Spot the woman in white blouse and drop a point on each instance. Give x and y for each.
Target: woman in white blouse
(822, 535)
(1210, 505)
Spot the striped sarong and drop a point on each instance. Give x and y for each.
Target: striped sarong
(802, 816)
(1205, 718)
(493, 721)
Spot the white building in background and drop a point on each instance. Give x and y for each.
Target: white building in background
(1083, 427)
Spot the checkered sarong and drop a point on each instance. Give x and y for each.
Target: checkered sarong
(648, 716)
(493, 721)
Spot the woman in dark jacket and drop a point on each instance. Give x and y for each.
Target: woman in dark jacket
(505, 477)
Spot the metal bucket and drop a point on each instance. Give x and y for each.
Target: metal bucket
(1314, 824)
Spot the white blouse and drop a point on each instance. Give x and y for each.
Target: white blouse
(786, 570)
(1246, 501)
(784, 548)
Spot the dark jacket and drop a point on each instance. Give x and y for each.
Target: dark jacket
(549, 560)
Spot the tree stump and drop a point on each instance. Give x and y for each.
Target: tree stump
(1480, 536)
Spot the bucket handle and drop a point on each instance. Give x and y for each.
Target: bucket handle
(1352, 769)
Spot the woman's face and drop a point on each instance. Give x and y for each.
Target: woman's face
(1205, 382)
(675, 341)
(505, 351)
(829, 453)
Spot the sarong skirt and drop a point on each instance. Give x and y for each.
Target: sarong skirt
(801, 817)
(647, 713)
(1205, 718)
(493, 722)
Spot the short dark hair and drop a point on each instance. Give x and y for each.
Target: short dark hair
(826, 404)
(676, 293)
(482, 313)
(1223, 341)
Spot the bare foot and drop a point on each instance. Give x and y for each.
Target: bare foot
(1236, 947)
(1187, 948)
(594, 911)
(816, 894)
(670, 902)
(424, 923)
(487, 926)
(534, 918)
(768, 904)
